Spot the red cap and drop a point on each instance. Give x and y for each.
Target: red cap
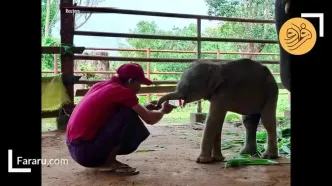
(133, 70)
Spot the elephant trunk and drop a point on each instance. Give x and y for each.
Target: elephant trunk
(167, 97)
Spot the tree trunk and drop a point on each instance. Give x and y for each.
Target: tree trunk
(47, 21)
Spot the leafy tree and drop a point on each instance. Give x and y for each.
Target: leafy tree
(50, 16)
(50, 12)
(144, 27)
(48, 59)
(253, 9)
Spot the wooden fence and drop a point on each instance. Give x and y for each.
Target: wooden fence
(148, 71)
(68, 33)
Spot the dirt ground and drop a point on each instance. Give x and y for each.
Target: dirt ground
(173, 165)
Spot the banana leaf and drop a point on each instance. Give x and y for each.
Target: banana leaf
(245, 159)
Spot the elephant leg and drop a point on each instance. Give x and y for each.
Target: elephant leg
(269, 121)
(214, 123)
(250, 122)
(216, 150)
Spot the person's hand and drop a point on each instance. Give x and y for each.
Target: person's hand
(167, 108)
(151, 106)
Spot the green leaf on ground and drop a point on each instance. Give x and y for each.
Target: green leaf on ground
(226, 145)
(239, 160)
(150, 150)
(231, 133)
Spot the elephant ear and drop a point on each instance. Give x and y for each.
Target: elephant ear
(216, 76)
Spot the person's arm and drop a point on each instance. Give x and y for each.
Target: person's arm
(129, 99)
(150, 117)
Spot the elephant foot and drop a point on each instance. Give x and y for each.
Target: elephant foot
(270, 155)
(204, 159)
(218, 158)
(252, 150)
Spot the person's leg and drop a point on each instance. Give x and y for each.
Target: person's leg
(121, 135)
(133, 136)
(83, 153)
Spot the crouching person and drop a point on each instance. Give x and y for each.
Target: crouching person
(107, 123)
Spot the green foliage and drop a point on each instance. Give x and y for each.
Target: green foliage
(53, 15)
(48, 59)
(144, 27)
(245, 159)
(232, 117)
(253, 9)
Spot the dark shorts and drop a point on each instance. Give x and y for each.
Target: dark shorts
(124, 128)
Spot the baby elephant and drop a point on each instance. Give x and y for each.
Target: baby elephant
(242, 86)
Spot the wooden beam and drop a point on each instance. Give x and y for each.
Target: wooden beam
(183, 38)
(149, 90)
(52, 114)
(281, 86)
(86, 9)
(91, 82)
(57, 50)
(67, 25)
(144, 90)
(159, 60)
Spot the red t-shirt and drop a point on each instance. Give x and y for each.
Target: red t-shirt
(97, 106)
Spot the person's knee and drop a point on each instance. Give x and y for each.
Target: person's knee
(127, 150)
(127, 114)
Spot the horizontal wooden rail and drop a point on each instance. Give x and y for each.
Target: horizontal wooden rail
(57, 50)
(52, 114)
(178, 51)
(55, 114)
(91, 82)
(163, 14)
(144, 90)
(183, 38)
(105, 72)
(86, 57)
(113, 72)
(149, 90)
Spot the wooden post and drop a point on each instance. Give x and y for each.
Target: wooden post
(67, 60)
(218, 54)
(55, 62)
(287, 112)
(67, 38)
(199, 47)
(199, 116)
(148, 70)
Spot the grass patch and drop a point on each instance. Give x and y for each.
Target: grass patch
(48, 124)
